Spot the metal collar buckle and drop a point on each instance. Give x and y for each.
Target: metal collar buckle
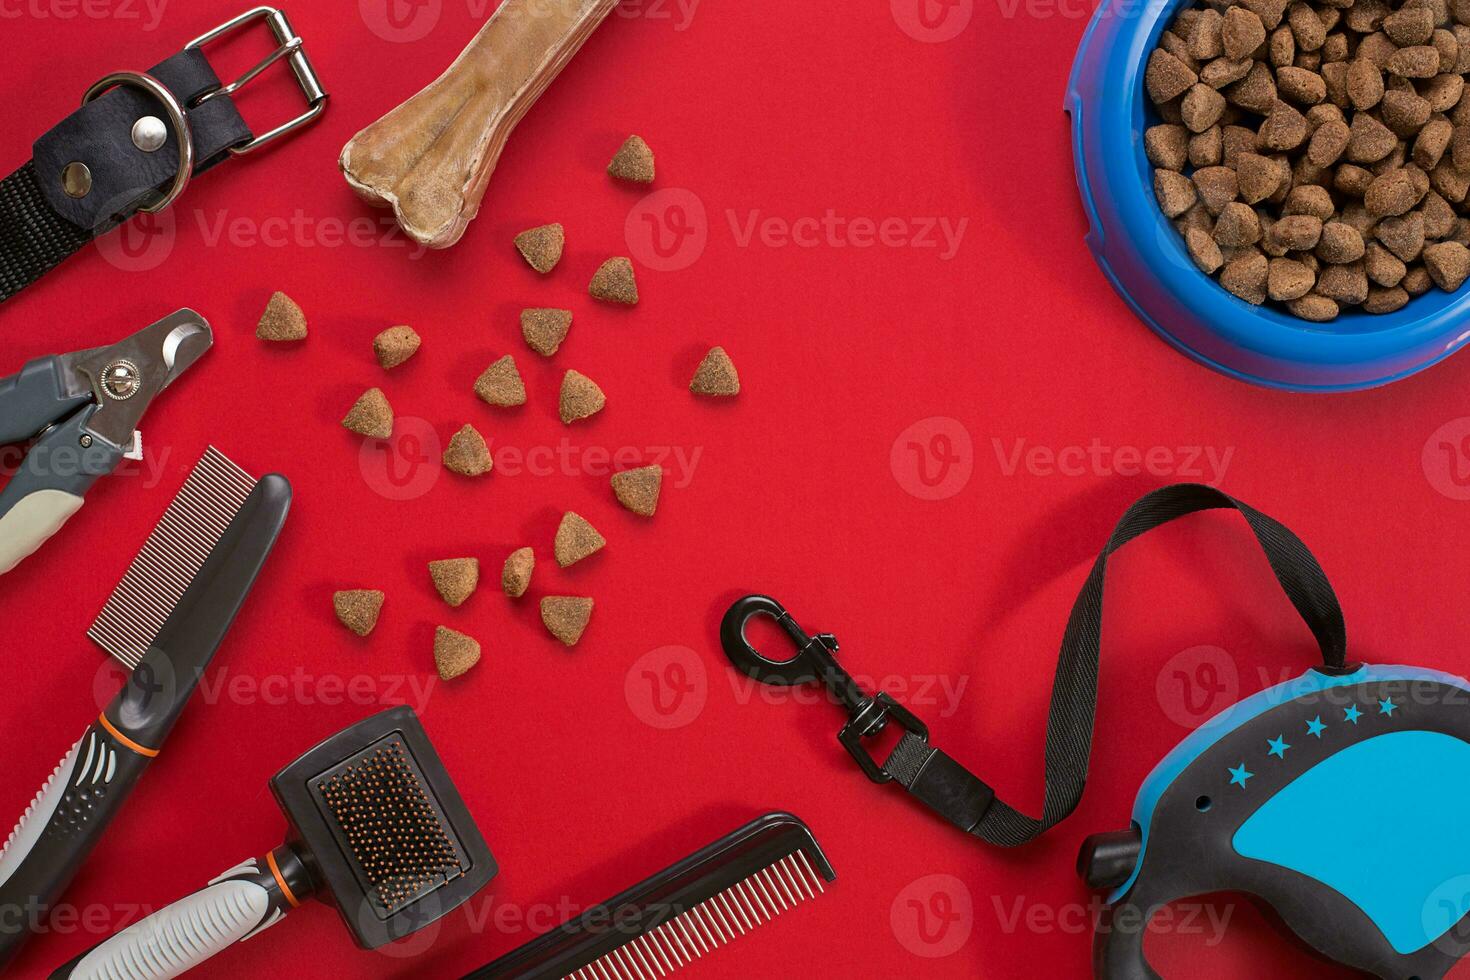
(815, 660)
(290, 47)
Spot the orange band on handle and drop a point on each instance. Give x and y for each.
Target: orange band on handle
(270, 859)
(126, 742)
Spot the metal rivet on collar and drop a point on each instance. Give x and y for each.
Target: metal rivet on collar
(149, 134)
(76, 180)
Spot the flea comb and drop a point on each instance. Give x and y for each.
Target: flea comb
(165, 621)
(697, 906)
(376, 827)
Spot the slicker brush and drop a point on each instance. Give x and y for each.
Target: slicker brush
(376, 828)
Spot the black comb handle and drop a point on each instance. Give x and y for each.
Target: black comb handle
(244, 901)
(69, 815)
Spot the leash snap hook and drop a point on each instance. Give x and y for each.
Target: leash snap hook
(816, 660)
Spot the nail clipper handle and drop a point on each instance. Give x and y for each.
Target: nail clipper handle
(60, 828)
(244, 901)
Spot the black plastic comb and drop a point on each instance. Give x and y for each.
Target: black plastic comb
(709, 899)
(376, 828)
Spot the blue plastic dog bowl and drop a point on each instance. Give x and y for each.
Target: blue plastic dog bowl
(1145, 259)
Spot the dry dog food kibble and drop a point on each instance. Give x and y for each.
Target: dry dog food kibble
(716, 376)
(1316, 153)
(396, 345)
(358, 609)
(581, 398)
(467, 453)
(501, 384)
(614, 282)
(516, 577)
(542, 247)
(638, 490)
(371, 416)
(454, 653)
(455, 579)
(282, 322)
(576, 539)
(545, 330)
(634, 162)
(566, 617)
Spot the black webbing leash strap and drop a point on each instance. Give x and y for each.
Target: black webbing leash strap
(949, 788)
(133, 146)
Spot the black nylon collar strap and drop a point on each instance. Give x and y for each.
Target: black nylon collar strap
(41, 224)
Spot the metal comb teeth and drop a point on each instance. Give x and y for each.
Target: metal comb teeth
(173, 554)
(711, 924)
(390, 825)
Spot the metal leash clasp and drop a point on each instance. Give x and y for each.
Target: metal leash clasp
(816, 661)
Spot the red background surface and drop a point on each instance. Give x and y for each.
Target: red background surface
(787, 111)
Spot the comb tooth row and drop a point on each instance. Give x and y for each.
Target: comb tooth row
(709, 925)
(393, 830)
(171, 557)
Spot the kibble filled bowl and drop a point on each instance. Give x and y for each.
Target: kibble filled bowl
(1144, 255)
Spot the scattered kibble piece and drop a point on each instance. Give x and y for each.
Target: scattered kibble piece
(396, 345)
(454, 653)
(467, 453)
(358, 609)
(566, 617)
(576, 539)
(501, 384)
(516, 577)
(716, 375)
(282, 322)
(614, 282)
(580, 397)
(455, 579)
(638, 490)
(371, 416)
(542, 247)
(545, 330)
(634, 162)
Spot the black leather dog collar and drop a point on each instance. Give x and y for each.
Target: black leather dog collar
(133, 146)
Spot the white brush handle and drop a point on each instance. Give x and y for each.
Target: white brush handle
(242, 902)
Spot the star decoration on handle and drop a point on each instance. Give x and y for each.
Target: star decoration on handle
(1387, 707)
(1278, 746)
(1315, 728)
(1352, 714)
(1239, 775)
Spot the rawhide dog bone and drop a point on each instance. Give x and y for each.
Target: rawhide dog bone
(431, 158)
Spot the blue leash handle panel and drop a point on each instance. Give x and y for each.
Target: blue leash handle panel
(1337, 800)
